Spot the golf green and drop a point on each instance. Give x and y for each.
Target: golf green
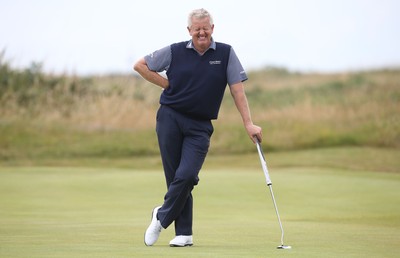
(88, 212)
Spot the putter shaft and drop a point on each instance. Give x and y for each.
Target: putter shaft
(269, 183)
(277, 213)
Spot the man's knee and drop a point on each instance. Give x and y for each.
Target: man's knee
(189, 179)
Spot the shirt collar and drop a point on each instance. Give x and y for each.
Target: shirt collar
(213, 45)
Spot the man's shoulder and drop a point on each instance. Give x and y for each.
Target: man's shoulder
(180, 44)
(223, 45)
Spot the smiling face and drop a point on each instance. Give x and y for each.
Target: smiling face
(201, 31)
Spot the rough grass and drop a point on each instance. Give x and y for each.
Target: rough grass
(112, 116)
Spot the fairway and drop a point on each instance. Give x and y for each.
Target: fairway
(88, 212)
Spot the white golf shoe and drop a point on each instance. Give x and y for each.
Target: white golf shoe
(181, 241)
(154, 230)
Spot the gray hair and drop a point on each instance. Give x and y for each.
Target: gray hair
(199, 14)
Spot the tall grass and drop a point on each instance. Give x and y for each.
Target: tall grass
(314, 110)
(115, 115)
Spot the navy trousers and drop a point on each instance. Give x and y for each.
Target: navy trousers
(184, 144)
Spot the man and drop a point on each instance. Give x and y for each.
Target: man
(198, 71)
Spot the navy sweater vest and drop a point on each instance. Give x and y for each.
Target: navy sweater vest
(196, 83)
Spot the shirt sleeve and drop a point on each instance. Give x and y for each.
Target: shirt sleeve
(159, 60)
(235, 71)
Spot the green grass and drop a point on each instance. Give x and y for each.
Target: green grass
(80, 171)
(100, 212)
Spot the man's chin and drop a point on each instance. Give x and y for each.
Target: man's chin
(203, 43)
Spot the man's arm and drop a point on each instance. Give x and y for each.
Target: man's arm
(151, 76)
(239, 96)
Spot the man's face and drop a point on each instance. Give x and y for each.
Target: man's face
(201, 32)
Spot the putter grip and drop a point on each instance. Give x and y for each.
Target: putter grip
(263, 163)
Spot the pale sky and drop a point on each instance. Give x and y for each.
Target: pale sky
(98, 36)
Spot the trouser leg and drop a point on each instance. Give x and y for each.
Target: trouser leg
(178, 204)
(184, 222)
(183, 146)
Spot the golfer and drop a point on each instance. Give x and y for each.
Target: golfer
(197, 72)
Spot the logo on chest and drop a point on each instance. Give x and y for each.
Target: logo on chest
(215, 62)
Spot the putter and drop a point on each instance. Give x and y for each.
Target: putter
(269, 183)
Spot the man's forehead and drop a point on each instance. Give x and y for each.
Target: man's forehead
(200, 20)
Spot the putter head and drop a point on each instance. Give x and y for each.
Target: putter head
(284, 247)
